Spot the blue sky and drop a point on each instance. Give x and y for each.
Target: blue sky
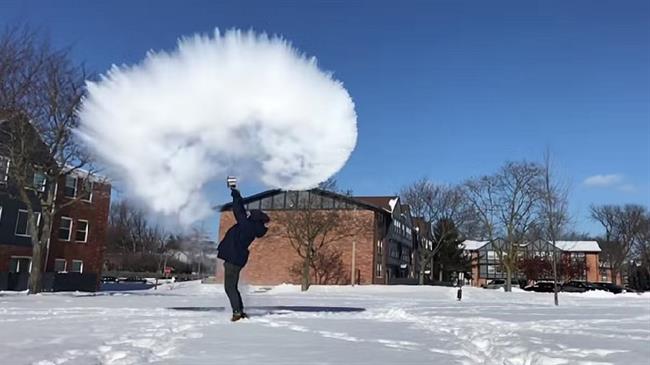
(443, 89)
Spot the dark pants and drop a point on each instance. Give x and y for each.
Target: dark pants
(231, 280)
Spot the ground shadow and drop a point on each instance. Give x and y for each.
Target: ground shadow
(278, 309)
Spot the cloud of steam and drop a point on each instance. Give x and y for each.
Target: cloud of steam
(237, 103)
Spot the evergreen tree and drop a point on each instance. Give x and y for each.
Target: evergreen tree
(450, 258)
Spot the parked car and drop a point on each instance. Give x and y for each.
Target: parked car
(612, 288)
(577, 286)
(500, 283)
(541, 287)
(109, 279)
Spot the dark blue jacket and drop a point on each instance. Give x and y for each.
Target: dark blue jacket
(234, 246)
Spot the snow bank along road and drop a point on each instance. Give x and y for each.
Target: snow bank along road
(405, 325)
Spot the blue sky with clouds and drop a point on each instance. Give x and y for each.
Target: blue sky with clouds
(444, 89)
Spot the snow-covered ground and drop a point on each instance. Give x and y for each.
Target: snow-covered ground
(401, 325)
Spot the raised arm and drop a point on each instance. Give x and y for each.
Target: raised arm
(238, 206)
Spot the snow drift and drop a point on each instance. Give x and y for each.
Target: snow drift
(237, 103)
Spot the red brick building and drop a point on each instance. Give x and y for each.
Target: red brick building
(381, 249)
(583, 255)
(77, 238)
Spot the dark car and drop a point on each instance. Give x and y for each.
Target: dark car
(577, 287)
(612, 288)
(501, 283)
(109, 279)
(542, 287)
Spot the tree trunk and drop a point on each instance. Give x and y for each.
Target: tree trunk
(36, 273)
(305, 268)
(39, 247)
(614, 273)
(305, 274)
(508, 278)
(421, 279)
(555, 287)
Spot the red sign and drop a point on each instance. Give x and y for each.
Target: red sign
(168, 270)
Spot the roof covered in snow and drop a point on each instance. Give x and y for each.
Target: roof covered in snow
(471, 245)
(578, 246)
(568, 246)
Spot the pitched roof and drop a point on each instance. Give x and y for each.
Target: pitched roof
(269, 193)
(386, 203)
(568, 246)
(578, 246)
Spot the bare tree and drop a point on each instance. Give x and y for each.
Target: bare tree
(517, 195)
(419, 196)
(40, 92)
(623, 226)
(432, 204)
(481, 195)
(311, 230)
(327, 267)
(506, 206)
(554, 214)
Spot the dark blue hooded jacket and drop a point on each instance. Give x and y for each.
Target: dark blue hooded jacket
(234, 246)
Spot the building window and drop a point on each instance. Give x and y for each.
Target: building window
(380, 246)
(20, 264)
(77, 266)
(254, 205)
(4, 169)
(378, 270)
(70, 190)
(87, 193)
(59, 265)
(65, 228)
(292, 199)
(315, 201)
(40, 181)
(278, 201)
(491, 255)
(22, 223)
(81, 233)
(328, 203)
(303, 199)
(267, 203)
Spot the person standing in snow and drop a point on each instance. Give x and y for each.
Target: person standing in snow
(233, 249)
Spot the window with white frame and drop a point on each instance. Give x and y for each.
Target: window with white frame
(18, 264)
(77, 266)
(87, 193)
(70, 190)
(81, 231)
(4, 169)
(491, 255)
(65, 229)
(59, 265)
(40, 181)
(23, 224)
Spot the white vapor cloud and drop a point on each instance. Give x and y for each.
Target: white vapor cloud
(237, 103)
(603, 181)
